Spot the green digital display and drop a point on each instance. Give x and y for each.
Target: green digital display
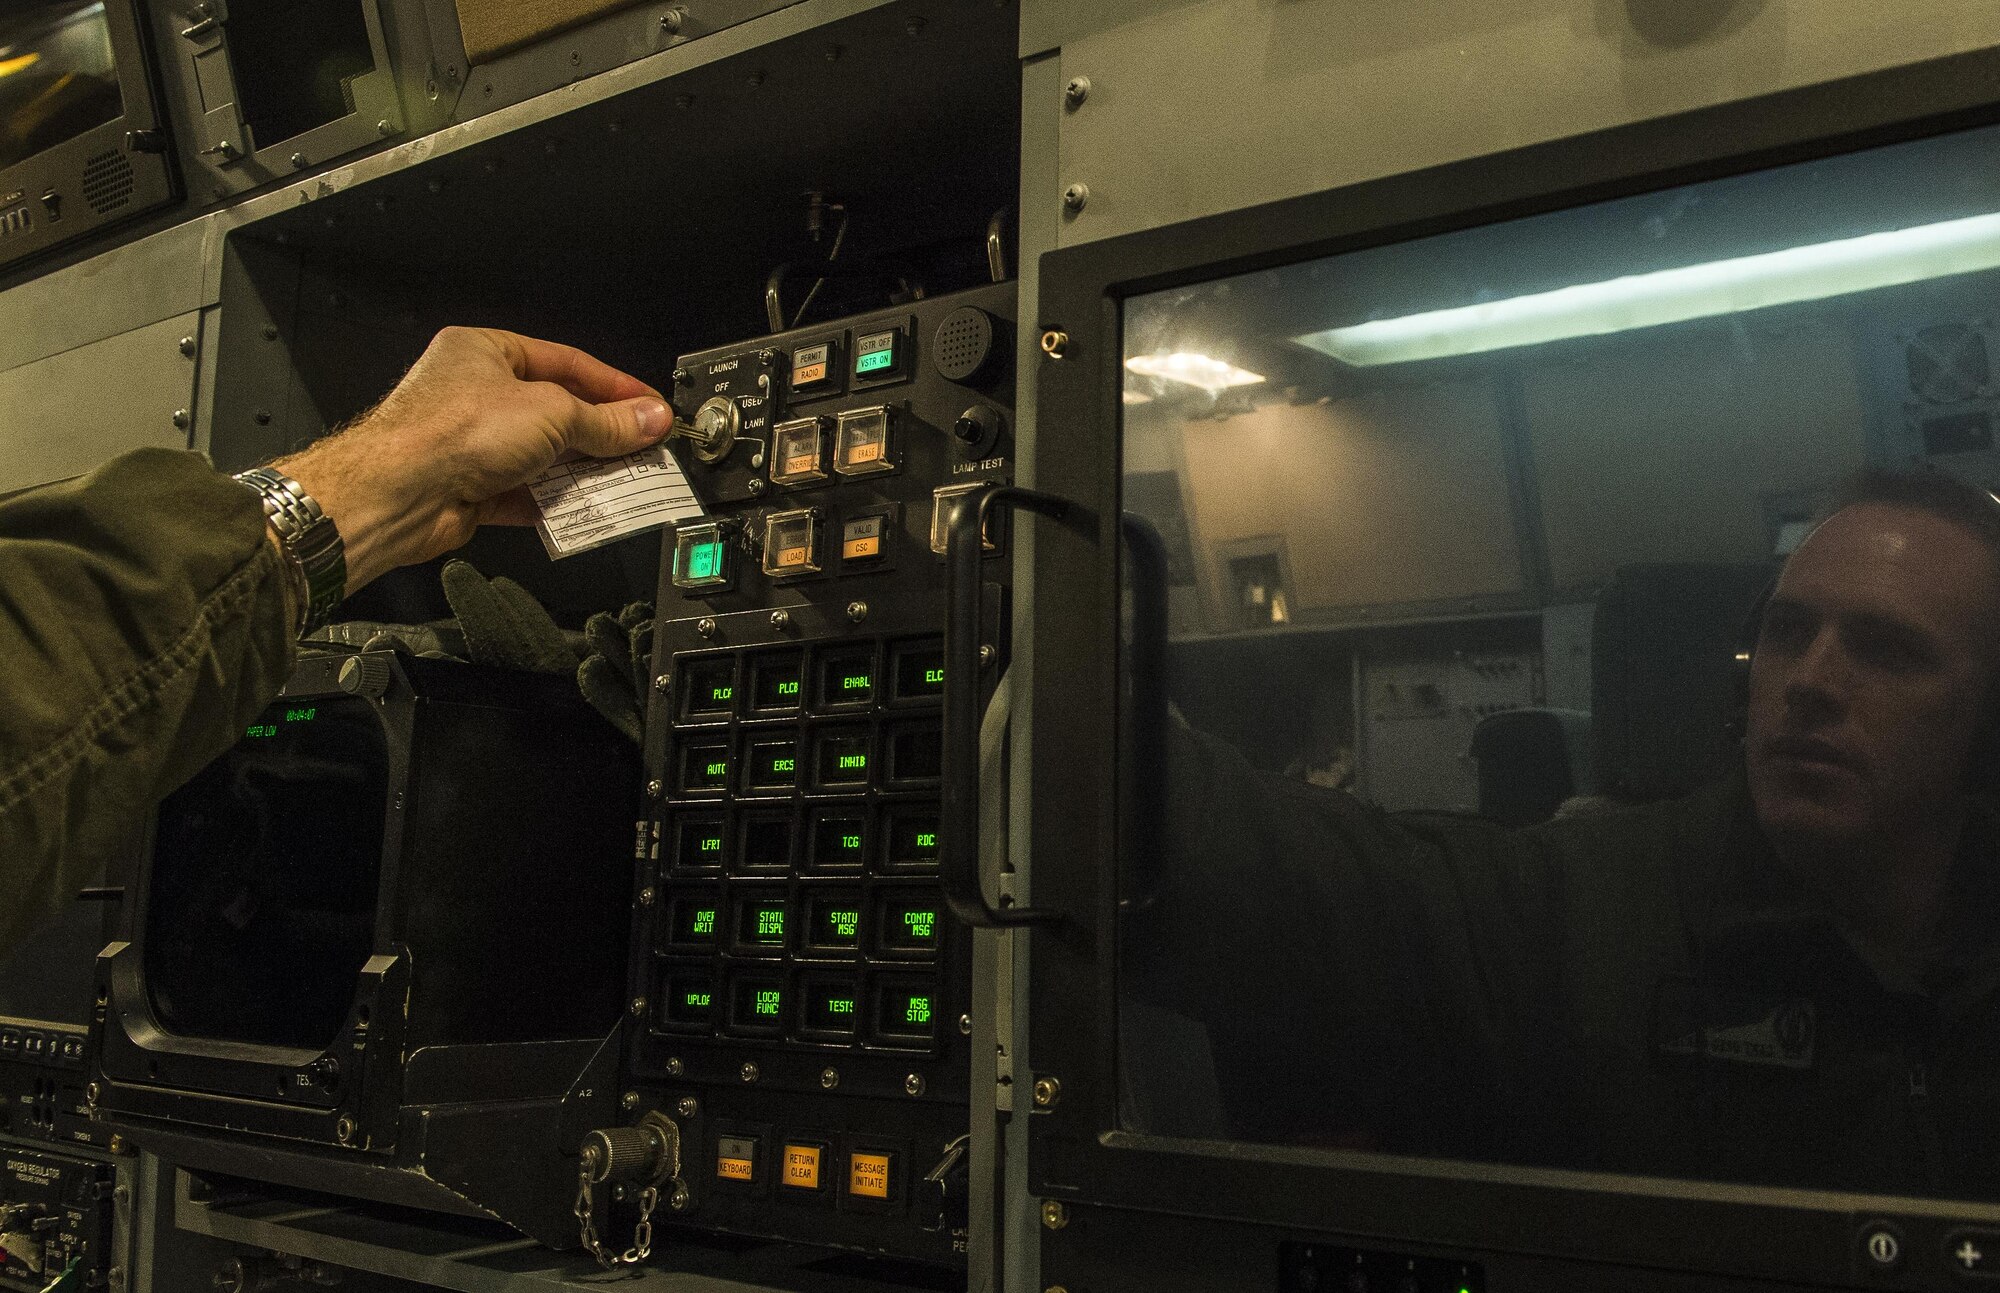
(934, 677)
(876, 362)
(840, 1005)
(711, 844)
(704, 921)
(704, 560)
(767, 1001)
(843, 922)
(926, 839)
(261, 729)
(301, 715)
(918, 1011)
(789, 687)
(696, 1000)
(920, 924)
(771, 922)
(851, 843)
(855, 762)
(714, 768)
(857, 682)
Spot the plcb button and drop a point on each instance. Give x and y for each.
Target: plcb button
(801, 1167)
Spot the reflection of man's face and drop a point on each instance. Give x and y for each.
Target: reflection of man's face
(1870, 677)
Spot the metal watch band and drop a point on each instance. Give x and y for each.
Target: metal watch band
(308, 537)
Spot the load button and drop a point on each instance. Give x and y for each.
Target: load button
(871, 1174)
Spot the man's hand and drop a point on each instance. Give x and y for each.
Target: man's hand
(452, 448)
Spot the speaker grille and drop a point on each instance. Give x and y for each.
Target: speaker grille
(963, 343)
(107, 181)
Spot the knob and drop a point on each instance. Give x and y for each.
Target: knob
(977, 429)
(712, 429)
(365, 675)
(325, 1072)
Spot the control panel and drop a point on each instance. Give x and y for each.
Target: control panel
(805, 987)
(42, 1082)
(55, 1221)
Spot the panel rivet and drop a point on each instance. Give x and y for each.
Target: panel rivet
(829, 1078)
(749, 1072)
(913, 1084)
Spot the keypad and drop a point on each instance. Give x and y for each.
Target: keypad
(799, 900)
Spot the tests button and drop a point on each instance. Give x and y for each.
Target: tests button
(736, 1159)
(802, 1166)
(871, 1174)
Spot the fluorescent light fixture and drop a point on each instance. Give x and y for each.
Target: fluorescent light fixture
(1810, 273)
(1192, 370)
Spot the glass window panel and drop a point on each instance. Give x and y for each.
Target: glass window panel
(58, 78)
(1481, 836)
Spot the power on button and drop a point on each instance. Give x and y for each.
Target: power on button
(1881, 1246)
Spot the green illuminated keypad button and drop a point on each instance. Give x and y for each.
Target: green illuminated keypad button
(878, 354)
(839, 841)
(767, 843)
(834, 921)
(696, 920)
(919, 672)
(906, 1010)
(832, 1008)
(705, 767)
(774, 764)
(911, 925)
(847, 678)
(757, 1005)
(775, 682)
(710, 687)
(701, 557)
(916, 753)
(843, 759)
(700, 842)
(688, 1000)
(762, 923)
(913, 840)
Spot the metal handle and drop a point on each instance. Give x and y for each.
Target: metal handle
(1144, 703)
(958, 861)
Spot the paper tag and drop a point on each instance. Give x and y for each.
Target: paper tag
(588, 502)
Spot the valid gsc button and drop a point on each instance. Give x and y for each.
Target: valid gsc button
(801, 1167)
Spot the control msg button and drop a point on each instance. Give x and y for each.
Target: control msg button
(802, 1167)
(868, 1174)
(736, 1159)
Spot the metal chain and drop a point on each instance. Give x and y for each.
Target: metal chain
(642, 1233)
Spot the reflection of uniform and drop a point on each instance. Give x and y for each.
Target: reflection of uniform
(143, 623)
(1642, 990)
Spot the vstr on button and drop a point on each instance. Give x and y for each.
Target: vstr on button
(1974, 1254)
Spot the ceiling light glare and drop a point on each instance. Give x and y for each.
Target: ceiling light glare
(1810, 273)
(1192, 370)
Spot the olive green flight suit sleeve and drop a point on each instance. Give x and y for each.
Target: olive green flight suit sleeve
(143, 623)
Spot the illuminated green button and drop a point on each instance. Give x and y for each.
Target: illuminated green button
(876, 353)
(760, 923)
(690, 1000)
(906, 1012)
(758, 1005)
(701, 842)
(920, 672)
(836, 921)
(701, 557)
(910, 925)
(913, 840)
(847, 679)
(711, 687)
(695, 920)
(705, 767)
(843, 759)
(833, 1008)
(839, 841)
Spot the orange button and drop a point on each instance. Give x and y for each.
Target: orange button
(807, 374)
(802, 1166)
(854, 549)
(736, 1158)
(789, 557)
(868, 1175)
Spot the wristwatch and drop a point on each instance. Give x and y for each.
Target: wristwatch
(311, 544)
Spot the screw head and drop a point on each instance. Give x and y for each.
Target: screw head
(829, 1078)
(629, 1101)
(749, 1072)
(654, 788)
(270, 332)
(687, 1106)
(704, 627)
(680, 1198)
(344, 1129)
(638, 1006)
(298, 161)
(646, 896)
(118, 1145)
(1054, 1215)
(93, 1093)
(1076, 197)
(665, 682)
(187, 347)
(388, 127)
(675, 1067)
(183, 419)
(781, 620)
(1055, 343)
(1048, 1090)
(1076, 92)
(986, 654)
(756, 485)
(914, 1084)
(965, 1025)
(857, 611)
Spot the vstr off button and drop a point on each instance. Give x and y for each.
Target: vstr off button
(1974, 1254)
(1881, 1247)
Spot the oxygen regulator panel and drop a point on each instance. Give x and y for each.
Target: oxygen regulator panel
(800, 982)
